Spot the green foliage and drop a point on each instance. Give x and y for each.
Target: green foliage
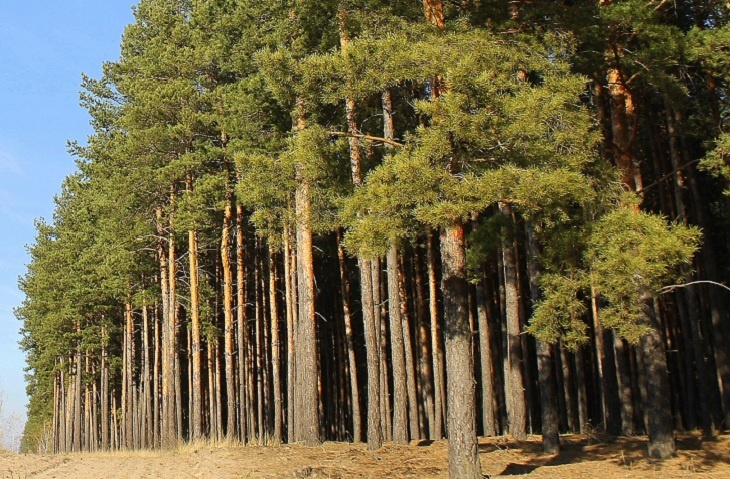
(718, 160)
(632, 255)
(559, 316)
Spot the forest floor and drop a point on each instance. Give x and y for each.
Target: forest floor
(582, 456)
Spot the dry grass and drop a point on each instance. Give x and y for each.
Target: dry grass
(590, 457)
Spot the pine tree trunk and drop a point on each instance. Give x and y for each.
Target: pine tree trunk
(626, 392)
(382, 331)
(545, 360)
(580, 380)
(156, 384)
(87, 438)
(172, 426)
(489, 406)
(77, 434)
(228, 316)
(307, 412)
(421, 382)
(400, 392)
(622, 124)
(258, 356)
(275, 346)
(374, 430)
(658, 395)
(242, 325)
(351, 359)
(291, 315)
(196, 392)
(128, 390)
(438, 355)
(426, 388)
(147, 381)
(104, 388)
(516, 407)
(461, 418)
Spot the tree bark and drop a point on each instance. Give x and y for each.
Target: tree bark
(545, 360)
(307, 421)
(242, 336)
(228, 316)
(489, 406)
(275, 346)
(516, 407)
(658, 395)
(436, 338)
(461, 418)
(400, 393)
(351, 359)
(196, 414)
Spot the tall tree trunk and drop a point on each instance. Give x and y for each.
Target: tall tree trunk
(77, 435)
(196, 415)
(400, 393)
(128, 391)
(307, 421)
(174, 417)
(425, 356)
(147, 380)
(291, 314)
(516, 407)
(375, 430)
(104, 387)
(275, 346)
(351, 359)
(438, 353)
(228, 315)
(658, 395)
(545, 360)
(489, 406)
(156, 384)
(417, 422)
(626, 392)
(382, 330)
(622, 124)
(461, 418)
(242, 325)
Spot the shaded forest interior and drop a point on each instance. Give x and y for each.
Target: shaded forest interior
(376, 221)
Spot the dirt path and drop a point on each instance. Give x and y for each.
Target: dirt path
(582, 457)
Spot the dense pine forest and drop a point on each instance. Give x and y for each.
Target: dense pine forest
(373, 221)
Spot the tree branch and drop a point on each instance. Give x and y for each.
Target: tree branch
(367, 137)
(668, 175)
(670, 288)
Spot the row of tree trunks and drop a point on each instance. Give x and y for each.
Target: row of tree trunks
(86, 418)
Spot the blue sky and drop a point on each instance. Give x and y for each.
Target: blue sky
(44, 48)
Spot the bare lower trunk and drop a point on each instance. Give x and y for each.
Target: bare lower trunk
(242, 326)
(516, 408)
(461, 418)
(196, 414)
(658, 395)
(351, 360)
(228, 318)
(275, 346)
(400, 397)
(307, 420)
(374, 431)
(545, 360)
(438, 354)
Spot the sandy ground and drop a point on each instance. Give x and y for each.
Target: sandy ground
(582, 457)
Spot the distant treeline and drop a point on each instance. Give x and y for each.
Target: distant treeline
(375, 221)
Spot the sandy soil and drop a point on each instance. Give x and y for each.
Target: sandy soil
(582, 457)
